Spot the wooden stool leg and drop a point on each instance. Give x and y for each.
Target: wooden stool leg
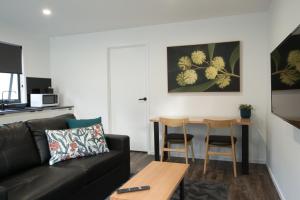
(162, 155)
(162, 147)
(234, 161)
(235, 150)
(206, 159)
(192, 149)
(186, 154)
(169, 153)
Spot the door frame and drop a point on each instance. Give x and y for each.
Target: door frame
(109, 106)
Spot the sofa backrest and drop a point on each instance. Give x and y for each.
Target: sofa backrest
(38, 127)
(17, 149)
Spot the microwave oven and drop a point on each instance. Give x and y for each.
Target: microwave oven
(43, 100)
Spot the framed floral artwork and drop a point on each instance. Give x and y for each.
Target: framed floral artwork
(211, 67)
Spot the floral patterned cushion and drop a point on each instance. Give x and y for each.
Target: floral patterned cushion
(74, 143)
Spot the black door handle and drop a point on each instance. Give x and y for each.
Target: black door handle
(143, 99)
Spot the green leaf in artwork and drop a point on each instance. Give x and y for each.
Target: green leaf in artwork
(196, 88)
(211, 49)
(276, 59)
(234, 57)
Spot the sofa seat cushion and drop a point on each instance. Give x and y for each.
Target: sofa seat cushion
(45, 182)
(94, 166)
(38, 127)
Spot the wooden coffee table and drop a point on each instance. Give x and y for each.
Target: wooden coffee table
(163, 178)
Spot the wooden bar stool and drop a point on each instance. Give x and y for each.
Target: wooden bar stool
(176, 138)
(223, 141)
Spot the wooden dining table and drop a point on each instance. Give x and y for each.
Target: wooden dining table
(244, 123)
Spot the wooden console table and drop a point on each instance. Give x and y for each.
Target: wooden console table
(245, 123)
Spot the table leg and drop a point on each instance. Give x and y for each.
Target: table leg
(156, 141)
(166, 155)
(181, 190)
(245, 149)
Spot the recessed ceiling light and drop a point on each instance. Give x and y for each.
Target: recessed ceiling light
(47, 11)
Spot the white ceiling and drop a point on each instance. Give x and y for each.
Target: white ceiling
(82, 16)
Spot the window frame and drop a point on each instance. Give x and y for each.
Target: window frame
(12, 101)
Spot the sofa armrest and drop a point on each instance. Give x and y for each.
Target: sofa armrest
(3, 193)
(118, 142)
(121, 143)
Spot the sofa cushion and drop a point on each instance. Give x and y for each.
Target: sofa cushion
(74, 143)
(94, 166)
(44, 182)
(80, 123)
(38, 127)
(17, 149)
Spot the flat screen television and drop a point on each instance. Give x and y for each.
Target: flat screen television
(285, 79)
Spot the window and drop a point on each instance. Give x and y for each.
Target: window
(10, 88)
(10, 70)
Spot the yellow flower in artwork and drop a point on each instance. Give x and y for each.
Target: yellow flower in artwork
(289, 77)
(191, 76)
(211, 73)
(184, 63)
(188, 77)
(218, 63)
(294, 59)
(198, 57)
(223, 80)
(180, 79)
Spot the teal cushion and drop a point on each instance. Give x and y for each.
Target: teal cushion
(81, 123)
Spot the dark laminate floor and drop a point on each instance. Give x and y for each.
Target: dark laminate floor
(256, 185)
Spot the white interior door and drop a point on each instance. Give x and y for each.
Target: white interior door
(128, 114)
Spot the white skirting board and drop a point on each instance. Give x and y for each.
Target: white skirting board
(275, 183)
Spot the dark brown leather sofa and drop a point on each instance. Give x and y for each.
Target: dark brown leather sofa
(26, 175)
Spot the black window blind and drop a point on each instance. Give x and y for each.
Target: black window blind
(10, 58)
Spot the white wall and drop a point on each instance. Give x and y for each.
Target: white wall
(35, 52)
(283, 138)
(35, 49)
(79, 69)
